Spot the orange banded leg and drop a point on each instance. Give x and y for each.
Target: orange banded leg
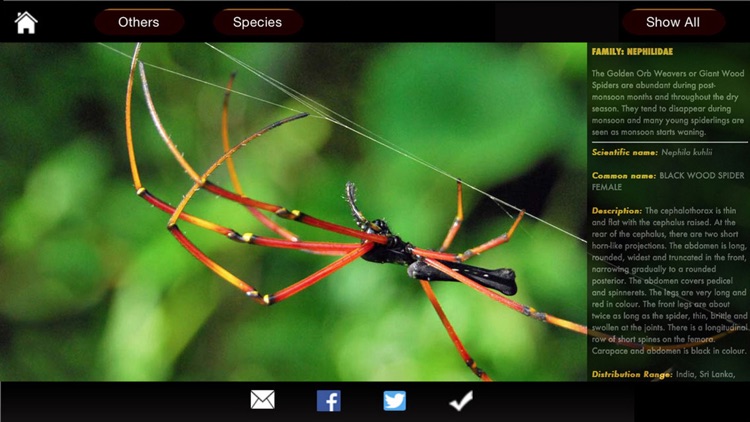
(294, 215)
(323, 248)
(568, 325)
(173, 148)
(457, 220)
(452, 333)
(201, 181)
(452, 231)
(493, 243)
(282, 294)
(350, 252)
(483, 247)
(281, 231)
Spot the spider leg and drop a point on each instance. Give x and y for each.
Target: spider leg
(492, 243)
(563, 323)
(427, 287)
(433, 259)
(201, 181)
(457, 221)
(350, 251)
(285, 293)
(452, 333)
(281, 231)
(316, 247)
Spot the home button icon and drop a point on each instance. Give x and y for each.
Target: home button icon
(25, 23)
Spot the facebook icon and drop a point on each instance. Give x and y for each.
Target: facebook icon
(329, 400)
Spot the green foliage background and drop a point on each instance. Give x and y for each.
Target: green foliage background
(92, 286)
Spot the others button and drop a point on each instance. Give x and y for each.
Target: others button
(139, 22)
(258, 22)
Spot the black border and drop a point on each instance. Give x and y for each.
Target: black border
(368, 21)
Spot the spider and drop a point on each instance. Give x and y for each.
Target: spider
(376, 242)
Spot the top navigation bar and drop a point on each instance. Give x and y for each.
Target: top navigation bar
(374, 21)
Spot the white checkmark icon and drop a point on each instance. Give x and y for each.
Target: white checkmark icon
(464, 401)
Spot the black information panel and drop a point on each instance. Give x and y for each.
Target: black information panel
(668, 146)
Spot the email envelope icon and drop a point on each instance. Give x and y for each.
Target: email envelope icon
(262, 399)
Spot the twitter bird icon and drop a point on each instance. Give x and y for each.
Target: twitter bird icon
(394, 401)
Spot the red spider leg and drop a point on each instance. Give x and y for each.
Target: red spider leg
(249, 238)
(457, 220)
(528, 311)
(135, 173)
(452, 333)
(568, 325)
(320, 247)
(492, 243)
(357, 250)
(452, 231)
(233, 172)
(202, 182)
(282, 294)
(350, 252)
(432, 256)
(280, 211)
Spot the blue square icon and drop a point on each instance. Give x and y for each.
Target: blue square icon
(329, 400)
(394, 401)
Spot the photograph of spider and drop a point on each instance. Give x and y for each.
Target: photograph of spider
(377, 242)
(132, 304)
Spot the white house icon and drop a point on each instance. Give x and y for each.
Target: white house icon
(26, 23)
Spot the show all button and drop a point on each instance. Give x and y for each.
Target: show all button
(673, 22)
(258, 22)
(139, 22)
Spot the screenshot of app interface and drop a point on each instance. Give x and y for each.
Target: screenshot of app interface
(290, 209)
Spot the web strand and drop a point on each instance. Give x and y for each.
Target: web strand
(320, 111)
